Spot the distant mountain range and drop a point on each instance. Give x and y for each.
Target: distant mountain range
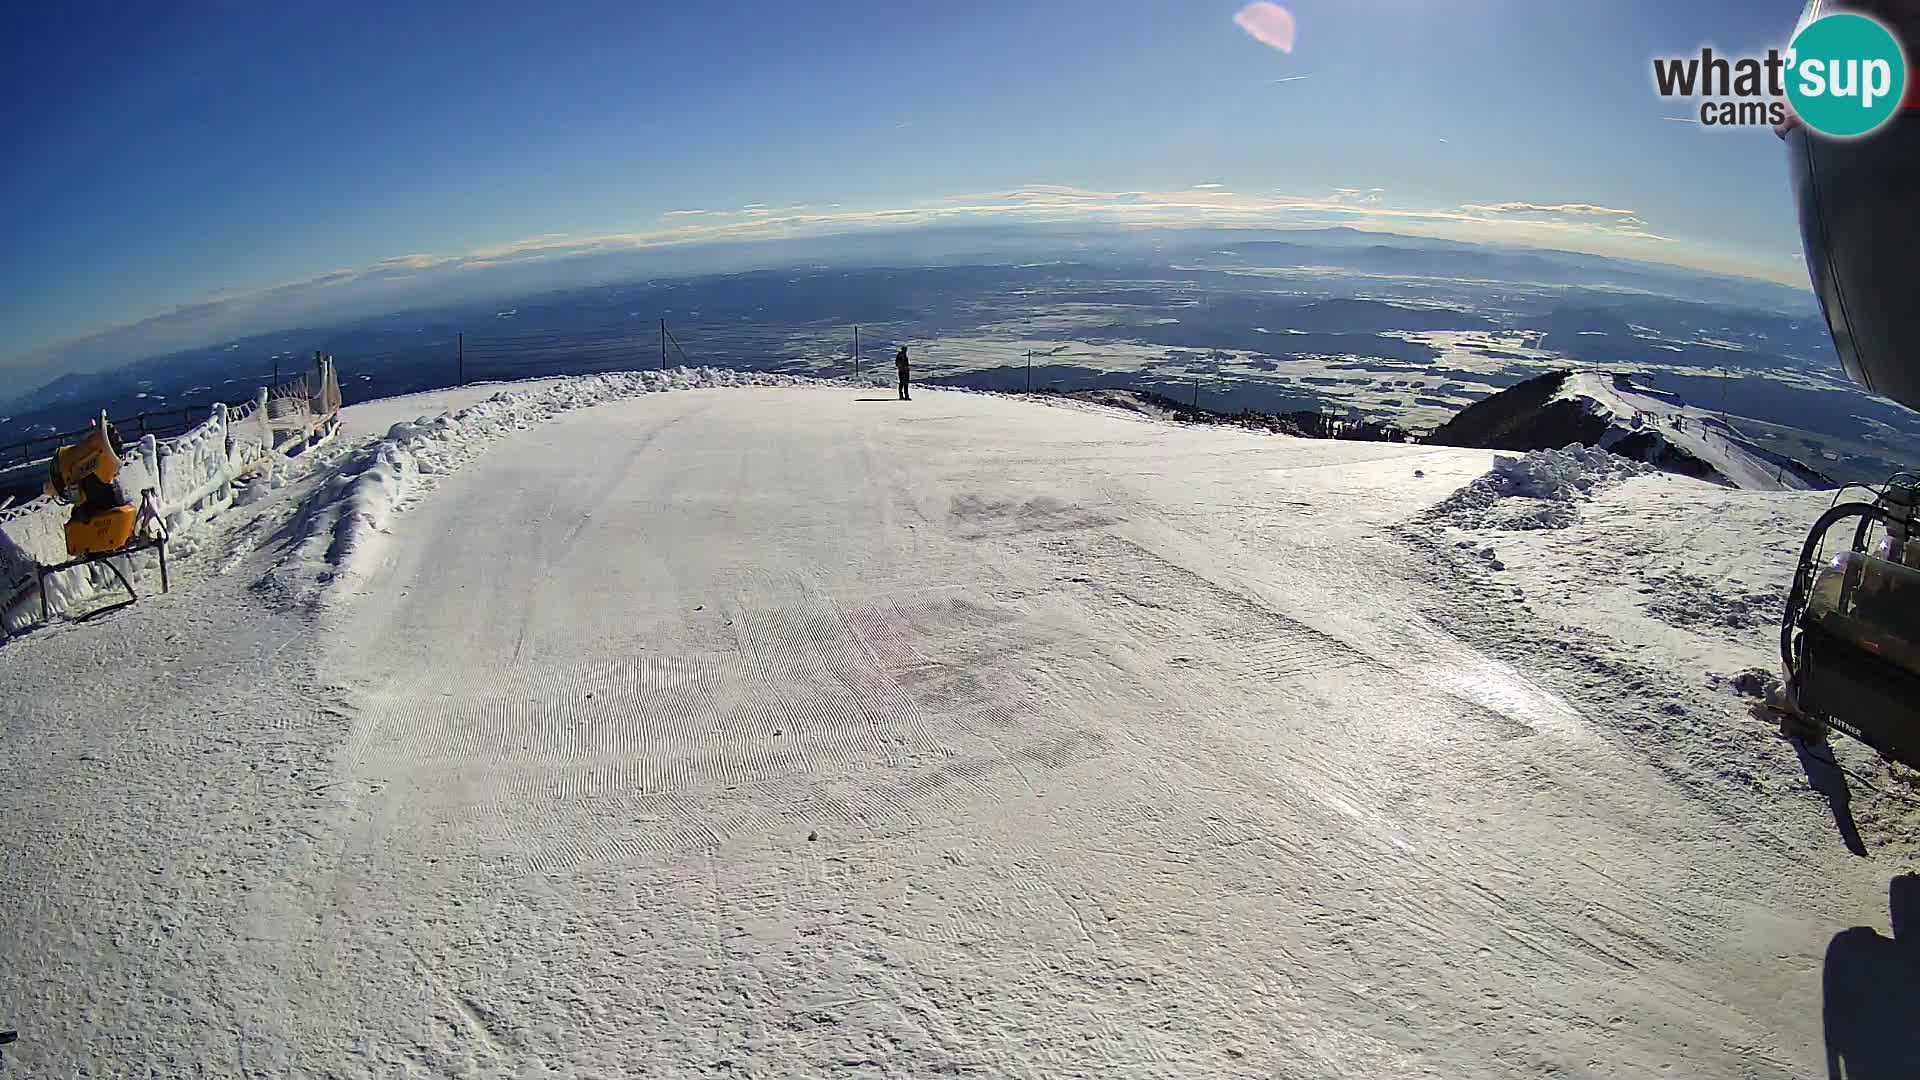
(1401, 331)
(258, 331)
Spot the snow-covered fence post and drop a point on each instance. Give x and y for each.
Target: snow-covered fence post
(260, 414)
(150, 456)
(161, 465)
(217, 416)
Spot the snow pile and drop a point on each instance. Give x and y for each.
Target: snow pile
(1541, 490)
(275, 471)
(1563, 475)
(1753, 682)
(270, 476)
(339, 527)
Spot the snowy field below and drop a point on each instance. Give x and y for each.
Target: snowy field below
(799, 731)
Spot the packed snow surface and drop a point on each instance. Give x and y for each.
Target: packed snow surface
(797, 731)
(340, 526)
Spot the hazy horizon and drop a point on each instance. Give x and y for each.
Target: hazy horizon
(402, 287)
(221, 168)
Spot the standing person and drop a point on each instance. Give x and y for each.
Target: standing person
(900, 361)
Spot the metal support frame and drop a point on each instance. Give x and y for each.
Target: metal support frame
(159, 542)
(149, 515)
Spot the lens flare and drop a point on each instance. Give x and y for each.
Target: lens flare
(1268, 24)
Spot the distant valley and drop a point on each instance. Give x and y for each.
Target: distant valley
(1400, 330)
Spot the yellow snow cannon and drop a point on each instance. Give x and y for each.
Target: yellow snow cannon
(105, 524)
(86, 476)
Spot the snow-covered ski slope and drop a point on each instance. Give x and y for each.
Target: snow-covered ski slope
(1701, 433)
(797, 731)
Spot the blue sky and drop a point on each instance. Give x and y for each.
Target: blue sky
(165, 155)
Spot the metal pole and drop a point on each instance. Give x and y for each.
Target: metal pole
(1029, 371)
(1196, 393)
(663, 344)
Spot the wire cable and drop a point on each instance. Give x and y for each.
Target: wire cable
(1872, 786)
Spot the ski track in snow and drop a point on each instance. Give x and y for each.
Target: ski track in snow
(760, 731)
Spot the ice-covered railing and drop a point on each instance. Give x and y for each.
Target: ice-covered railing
(34, 534)
(299, 411)
(193, 477)
(247, 424)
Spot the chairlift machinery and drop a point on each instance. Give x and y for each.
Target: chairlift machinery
(1850, 635)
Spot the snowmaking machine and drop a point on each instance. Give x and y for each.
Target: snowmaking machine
(86, 476)
(1850, 635)
(105, 523)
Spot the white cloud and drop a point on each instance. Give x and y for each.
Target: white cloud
(1578, 209)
